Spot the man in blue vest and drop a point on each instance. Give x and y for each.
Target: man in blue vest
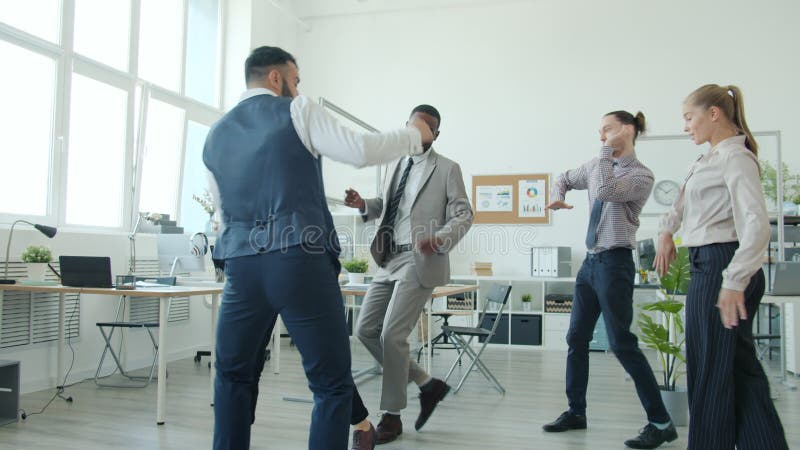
(279, 244)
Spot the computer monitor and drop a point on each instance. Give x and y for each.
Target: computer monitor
(646, 250)
(177, 254)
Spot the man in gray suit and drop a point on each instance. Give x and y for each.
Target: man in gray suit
(424, 212)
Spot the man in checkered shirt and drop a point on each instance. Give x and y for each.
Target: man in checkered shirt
(618, 186)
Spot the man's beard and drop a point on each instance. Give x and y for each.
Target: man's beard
(285, 92)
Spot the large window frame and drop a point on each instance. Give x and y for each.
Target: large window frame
(68, 62)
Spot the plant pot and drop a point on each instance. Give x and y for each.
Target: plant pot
(36, 271)
(356, 278)
(677, 404)
(526, 306)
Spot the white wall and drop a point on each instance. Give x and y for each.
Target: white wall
(522, 85)
(250, 24)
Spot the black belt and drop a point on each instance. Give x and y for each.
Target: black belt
(395, 249)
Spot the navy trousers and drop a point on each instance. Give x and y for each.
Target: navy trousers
(303, 288)
(729, 401)
(605, 284)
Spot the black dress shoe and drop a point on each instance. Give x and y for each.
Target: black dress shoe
(651, 437)
(430, 395)
(566, 422)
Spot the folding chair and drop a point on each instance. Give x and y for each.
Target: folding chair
(139, 381)
(498, 297)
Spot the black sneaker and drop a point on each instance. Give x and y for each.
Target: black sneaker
(652, 437)
(565, 422)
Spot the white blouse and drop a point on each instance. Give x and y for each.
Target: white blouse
(722, 201)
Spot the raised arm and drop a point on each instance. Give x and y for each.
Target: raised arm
(321, 133)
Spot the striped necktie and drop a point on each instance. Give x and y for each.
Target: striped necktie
(391, 210)
(594, 221)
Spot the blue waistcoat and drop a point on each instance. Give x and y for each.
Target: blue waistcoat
(271, 191)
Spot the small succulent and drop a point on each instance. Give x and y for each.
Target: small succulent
(37, 254)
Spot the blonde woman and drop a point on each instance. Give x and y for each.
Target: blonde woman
(723, 221)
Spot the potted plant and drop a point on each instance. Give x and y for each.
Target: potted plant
(668, 336)
(207, 203)
(37, 258)
(526, 302)
(356, 268)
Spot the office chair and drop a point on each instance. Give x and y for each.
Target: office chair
(498, 296)
(139, 381)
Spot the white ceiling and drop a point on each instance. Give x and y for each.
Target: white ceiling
(313, 9)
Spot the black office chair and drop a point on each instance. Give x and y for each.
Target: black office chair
(498, 296)
(138, 381)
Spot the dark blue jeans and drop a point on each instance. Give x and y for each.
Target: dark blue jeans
(303, 288)
(605, 284)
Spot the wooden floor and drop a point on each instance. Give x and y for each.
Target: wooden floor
(477, 418)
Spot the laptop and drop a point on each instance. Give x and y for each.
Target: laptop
(786, 279)
(85, 271)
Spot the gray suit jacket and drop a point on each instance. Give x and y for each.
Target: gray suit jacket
(440, 208)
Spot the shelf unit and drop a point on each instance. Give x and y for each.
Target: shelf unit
(552, 327)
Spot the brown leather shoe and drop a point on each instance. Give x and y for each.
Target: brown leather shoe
(389, 428)
(365, 440)
(430, 396)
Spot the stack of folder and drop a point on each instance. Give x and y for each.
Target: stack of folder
(482, 269)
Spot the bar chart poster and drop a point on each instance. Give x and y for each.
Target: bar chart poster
(532, 198)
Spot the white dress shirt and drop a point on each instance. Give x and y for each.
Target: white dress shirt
(722, 201)
(323, 135)
(402, 222)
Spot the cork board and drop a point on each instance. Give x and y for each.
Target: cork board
(511, 199)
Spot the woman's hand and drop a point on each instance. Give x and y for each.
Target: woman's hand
(665, 253)
(731, 307)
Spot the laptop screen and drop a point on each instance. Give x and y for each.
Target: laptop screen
(85, 271)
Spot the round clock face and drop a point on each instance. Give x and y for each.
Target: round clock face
(665, 192)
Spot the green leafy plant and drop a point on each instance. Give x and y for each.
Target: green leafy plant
(356, 266)
(769, 182)
(526, 298)
(657, 335)
(37, 254)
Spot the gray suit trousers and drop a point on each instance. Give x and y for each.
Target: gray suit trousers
(390, 311)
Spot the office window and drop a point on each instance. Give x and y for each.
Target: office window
(102, 28)
(193, 217)
(160, 42)
(161, 163)
(202, 65)
(95, 171)
(27, 135)
(38, 17)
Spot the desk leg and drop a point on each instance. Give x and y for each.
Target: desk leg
(60, 351)
(429, 353)
(212, 359)
(784, 380)
(161, 400)
(276, 347)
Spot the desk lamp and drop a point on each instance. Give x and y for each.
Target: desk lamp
(44, 229)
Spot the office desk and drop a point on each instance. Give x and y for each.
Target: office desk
(164, 294)
(781, 301)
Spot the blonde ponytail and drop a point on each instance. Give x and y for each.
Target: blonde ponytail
(739, 120)
(729, 100)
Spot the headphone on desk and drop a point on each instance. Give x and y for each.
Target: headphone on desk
(199, 244)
